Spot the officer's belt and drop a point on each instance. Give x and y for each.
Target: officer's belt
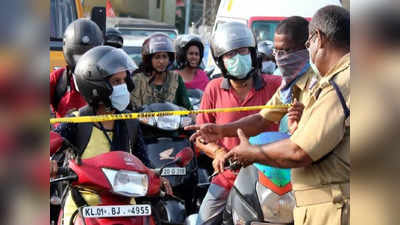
(335, 193)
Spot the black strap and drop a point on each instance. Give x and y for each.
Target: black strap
(346, 110)
(133, 126)
(61, 87)
(105, 133)
(78, 198)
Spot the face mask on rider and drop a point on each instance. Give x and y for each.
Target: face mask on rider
(291, 64)
(120, 97)
(268, 67)
(239, 65)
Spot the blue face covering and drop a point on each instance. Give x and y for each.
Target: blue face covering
(120, 97)
(239, 65)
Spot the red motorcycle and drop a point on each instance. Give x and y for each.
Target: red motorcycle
(117, 177)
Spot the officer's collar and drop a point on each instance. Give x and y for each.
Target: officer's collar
(258, 82)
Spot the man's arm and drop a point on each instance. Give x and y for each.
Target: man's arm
(282, 154)
(210, 149)
(251, 126)
(292, 156)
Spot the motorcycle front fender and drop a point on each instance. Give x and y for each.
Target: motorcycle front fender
(172, 212)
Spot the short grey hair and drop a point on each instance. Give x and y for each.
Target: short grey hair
(334, 23)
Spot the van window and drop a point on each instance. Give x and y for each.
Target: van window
(264, 30)
(62, 13)
(218, 23)
(145, 33)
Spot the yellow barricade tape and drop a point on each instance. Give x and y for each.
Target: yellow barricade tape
(128, 116)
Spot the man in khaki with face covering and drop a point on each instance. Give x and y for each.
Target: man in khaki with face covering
(319, 149)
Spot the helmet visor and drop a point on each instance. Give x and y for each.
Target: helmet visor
(116, 61)
(160, 44)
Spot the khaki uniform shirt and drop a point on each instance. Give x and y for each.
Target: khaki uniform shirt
(324, 135)
(300, 91)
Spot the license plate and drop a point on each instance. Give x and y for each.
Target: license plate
(116, 211)
(174, 171)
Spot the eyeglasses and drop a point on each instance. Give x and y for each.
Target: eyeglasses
(233, 53)
(307, 44)
(281, 52)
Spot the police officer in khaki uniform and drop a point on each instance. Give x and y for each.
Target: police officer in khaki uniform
(319, 149)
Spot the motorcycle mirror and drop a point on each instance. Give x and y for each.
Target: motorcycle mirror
(184, 157)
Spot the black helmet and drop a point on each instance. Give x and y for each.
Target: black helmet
(80, 36)
(230, 36)
(182, 43)
(93, 69)
(113, 38)
(156, 42)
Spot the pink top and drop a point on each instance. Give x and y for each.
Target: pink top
(219, 94)
(199, 81)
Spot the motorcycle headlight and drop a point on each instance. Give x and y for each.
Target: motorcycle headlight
(127, 183)
(276, 208)
(169, 122)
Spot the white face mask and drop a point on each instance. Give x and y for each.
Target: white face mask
(313, 66)
(120, 97)
(268, 67)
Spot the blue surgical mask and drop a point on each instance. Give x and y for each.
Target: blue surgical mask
(268, 67)
(239, 65)
(120, 97)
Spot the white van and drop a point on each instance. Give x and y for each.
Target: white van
(262, 16)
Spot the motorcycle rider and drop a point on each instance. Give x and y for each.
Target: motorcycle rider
(265, 57)
(189, 55)
(113, 38)
(80, 36)
(154, 81)
(241, 85)
(102, 76)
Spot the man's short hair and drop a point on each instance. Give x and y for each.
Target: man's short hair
(334, 23)
(296, 27)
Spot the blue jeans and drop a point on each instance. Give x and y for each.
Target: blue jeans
(213, 205)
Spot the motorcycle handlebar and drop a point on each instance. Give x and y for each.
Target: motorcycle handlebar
(235, 165)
